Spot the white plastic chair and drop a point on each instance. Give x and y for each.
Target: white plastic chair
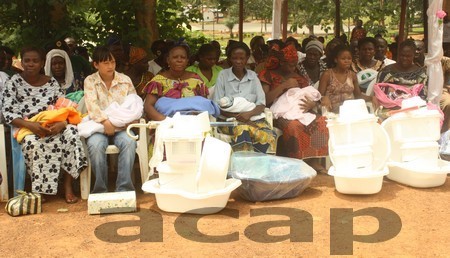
(141, 150)
(3, 169)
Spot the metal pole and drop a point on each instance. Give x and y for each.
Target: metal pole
(241, 20)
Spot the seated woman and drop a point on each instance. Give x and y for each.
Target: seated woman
(405, 73)
(313, 66)
(206, 67)
(48, 150)
(103, 88)
(238, 81)
(366, 58)
(300, 141)
(339, 83)
(58, 66)
(137, 70)
(173, 82)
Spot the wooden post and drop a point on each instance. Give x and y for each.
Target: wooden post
(284, 15)
(401, 33)
(241, 20)
(425, 21)
(337, 22)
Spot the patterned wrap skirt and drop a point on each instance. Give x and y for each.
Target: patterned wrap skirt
(251, 138)
(46, 157)
(300, 141)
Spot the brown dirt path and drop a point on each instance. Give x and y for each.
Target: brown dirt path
(424, 214)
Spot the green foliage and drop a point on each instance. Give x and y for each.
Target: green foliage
(173, 20)
(40, 22)
(229, 23)
(305, 13)
(263, 10)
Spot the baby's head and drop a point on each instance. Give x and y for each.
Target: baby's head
(226, 102)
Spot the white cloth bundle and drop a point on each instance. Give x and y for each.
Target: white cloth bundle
(237, 105)
(288, 104)
(119, 114)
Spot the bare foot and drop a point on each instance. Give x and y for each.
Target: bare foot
(69, 196)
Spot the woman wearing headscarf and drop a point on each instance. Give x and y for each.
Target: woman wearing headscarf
(58, 66)
(174, 82)
(137, 70)
(299, 141)
(313, 67)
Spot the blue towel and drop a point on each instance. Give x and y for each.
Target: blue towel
(169, 106)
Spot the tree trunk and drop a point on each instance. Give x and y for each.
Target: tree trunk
(58, 13)
(382, 17)
(311, 29)
(146, 21)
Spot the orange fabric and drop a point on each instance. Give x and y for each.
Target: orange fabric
(276, 56)
(136, 54)
(290, 53)
(69, 114)
(389, 54)
(62, 103)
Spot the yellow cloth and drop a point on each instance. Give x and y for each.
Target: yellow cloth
(69, 114)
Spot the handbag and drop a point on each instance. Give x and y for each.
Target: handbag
(24, 203)
(391, 95)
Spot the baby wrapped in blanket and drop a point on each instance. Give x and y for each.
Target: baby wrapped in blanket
(119, 114)
(238, 105)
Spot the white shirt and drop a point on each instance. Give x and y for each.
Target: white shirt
(153, 67)
(388, 61)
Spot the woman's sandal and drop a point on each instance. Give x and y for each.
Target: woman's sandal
(71, 198)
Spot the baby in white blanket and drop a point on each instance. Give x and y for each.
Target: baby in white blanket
(288, 104)
(119, 114)
(237, 105)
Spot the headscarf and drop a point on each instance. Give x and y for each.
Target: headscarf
(68, 80)
(136, 54)
(315, 44)
(276, 56)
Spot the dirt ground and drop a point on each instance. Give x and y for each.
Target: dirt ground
(424, 227)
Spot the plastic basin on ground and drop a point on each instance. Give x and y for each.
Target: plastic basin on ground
(187, 202)
(418, 176)
(349, 182)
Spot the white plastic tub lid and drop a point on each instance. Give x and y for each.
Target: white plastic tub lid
(152, 186)
(354, 150)
(164, 167)
(341, 121)
(181, 138)
(416, 114)
(419, 145)
(443, 167)
(357, 173)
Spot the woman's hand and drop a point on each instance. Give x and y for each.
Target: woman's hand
(110, 129)
(307, 104)
(244, 116)
(56, 128)
(326, 103)
(38, 129)
(375, 103)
